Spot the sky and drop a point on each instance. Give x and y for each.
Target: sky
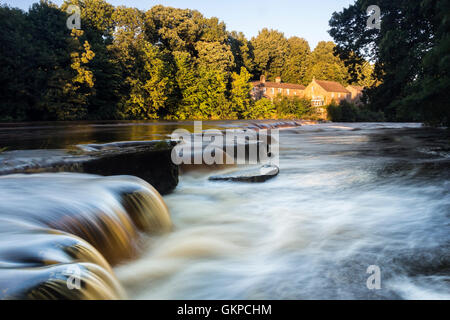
(303, 18)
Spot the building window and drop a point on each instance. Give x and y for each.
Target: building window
(317, 102)
(287, 91)
(332, 94)
(280, 90)
(273, 90)
(264, 90)
(295, 93)
(339, 95)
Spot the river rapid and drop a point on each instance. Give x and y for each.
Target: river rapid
(348, 196)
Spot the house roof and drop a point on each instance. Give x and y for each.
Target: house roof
(332, 86)
(278, 85)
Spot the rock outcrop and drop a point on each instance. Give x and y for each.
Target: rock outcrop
(260, 174)
(148, 160)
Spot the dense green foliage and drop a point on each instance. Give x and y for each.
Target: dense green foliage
(293, 107)
(411, 53)
(262, 109)
(274, 55)
(281, 107)
(129, 64)
(168, 63)
(348, 112)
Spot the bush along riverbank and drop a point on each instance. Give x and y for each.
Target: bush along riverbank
(349, 112)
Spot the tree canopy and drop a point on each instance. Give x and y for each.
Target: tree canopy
(169, 63)
(410, 54)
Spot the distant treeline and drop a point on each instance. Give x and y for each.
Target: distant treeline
(164, 63)
(168, 63)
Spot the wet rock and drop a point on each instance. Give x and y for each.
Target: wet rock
(220, 149)
(260, 174)
(151, 163)
(148, 160)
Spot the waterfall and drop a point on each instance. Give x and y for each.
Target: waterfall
(58, 228)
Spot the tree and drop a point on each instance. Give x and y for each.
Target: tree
(96, 17)
(297, 61)
(324, 65)
(98, 25)
(242, 50)
(16, 92)
(207, 97)
(186, 81)
(174, 29)
(270, 51)
(62, 81)
(66, 97)
(215, 55)
(409, 52)
(288, 107)
(261, 109)
(166, 63)
(241, 99)
(151, 87)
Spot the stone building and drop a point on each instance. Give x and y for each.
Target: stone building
(266, 89)
(356, 94)
(323, 92)
(320, 92)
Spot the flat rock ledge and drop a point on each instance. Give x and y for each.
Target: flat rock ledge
(148, 160)
(260, 174)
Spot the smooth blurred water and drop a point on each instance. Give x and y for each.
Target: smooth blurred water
(53, 224)
(348, 196)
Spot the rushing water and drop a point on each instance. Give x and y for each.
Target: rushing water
(348, 196)
(337, 206)
(52, 225)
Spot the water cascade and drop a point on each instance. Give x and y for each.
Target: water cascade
(57, 228)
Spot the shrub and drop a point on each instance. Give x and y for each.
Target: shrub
(261, 109)
(294, 107)
(349, 112)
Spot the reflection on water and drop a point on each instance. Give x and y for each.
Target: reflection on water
(347, 197)
(54, 135)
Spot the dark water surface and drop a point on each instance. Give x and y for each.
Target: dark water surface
(348, 196)
(60, 135)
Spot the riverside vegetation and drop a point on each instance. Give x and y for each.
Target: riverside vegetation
(168, 63)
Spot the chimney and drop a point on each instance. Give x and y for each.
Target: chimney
(262, 79)
(278, 79)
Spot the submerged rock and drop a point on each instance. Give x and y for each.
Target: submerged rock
(260, 174)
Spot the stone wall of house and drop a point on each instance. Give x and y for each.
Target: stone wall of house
(315, 91)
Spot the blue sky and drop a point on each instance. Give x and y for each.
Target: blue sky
(303, 18)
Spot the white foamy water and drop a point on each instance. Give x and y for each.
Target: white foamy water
(347, 197)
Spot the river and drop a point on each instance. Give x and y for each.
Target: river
(348, 196)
